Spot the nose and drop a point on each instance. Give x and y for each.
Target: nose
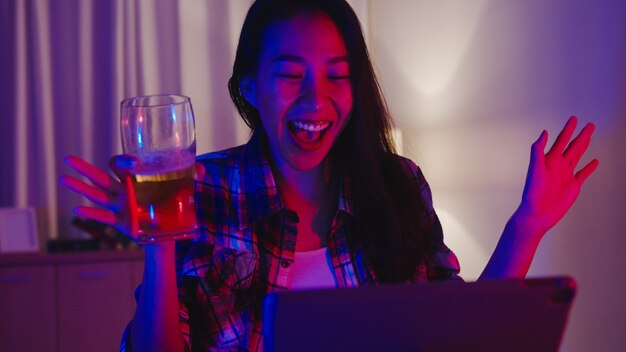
(314, 93)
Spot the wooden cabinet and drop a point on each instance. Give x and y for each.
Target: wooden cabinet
(67, 302)
(27, 309)
(95, 303)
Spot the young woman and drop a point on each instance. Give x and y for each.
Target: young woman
(316, 198)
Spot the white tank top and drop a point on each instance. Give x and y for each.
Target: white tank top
(312, 270)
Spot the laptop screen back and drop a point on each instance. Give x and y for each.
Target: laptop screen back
(510, 315)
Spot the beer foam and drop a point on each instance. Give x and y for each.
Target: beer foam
(164, 161)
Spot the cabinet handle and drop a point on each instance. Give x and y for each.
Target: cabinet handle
(16, 278)
(93, 274)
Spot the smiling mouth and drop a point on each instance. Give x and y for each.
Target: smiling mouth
(308, 132)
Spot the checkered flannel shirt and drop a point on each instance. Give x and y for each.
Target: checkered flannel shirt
(247, 245)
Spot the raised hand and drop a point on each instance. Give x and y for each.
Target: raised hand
(552, 183)
(116, 197)
(552, 186)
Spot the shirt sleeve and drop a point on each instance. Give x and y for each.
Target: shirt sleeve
(126, 343)
(214, 293)
(443, 264)
(185, 288)
(190, 267)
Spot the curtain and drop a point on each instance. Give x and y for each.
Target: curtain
(65, 65)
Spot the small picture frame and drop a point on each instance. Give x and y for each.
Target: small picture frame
(18, 230)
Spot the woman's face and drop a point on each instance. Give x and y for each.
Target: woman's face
(302, 89)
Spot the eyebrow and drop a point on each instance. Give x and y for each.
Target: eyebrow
(298, 59)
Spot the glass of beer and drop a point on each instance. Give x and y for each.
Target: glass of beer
(159, 130)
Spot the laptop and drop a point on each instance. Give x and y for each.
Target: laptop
(507, 315)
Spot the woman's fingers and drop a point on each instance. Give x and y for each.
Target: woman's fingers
(92, 193)
(582, 175)
(199, 171)
(117, 197)
(579, 145)
(563, 139)
(537, 150)
(101, 215)
(122, 165)
(133, 214)
(94, 174)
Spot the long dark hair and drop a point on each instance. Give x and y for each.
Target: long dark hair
(392, 220)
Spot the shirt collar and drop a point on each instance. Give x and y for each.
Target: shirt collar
(259, 196)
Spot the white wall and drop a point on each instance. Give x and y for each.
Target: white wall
(471, 85)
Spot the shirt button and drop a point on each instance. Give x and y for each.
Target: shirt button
(285, 263)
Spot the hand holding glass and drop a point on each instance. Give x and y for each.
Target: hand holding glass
(158, 130)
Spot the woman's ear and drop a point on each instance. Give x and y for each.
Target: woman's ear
(247, 87)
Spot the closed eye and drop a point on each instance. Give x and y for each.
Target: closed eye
(289, 76)
(338, 77)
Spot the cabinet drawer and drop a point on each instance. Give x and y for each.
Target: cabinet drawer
(95, 304)
(28, 309)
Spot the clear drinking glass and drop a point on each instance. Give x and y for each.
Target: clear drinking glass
(159, 130)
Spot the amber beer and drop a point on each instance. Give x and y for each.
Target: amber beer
(159, 132)
(165, 204)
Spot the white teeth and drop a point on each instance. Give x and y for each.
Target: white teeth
(311, 127)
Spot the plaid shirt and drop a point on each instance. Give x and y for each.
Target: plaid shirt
(247, 246)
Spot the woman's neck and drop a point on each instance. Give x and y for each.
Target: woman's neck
(310, 187)
(312, 194)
